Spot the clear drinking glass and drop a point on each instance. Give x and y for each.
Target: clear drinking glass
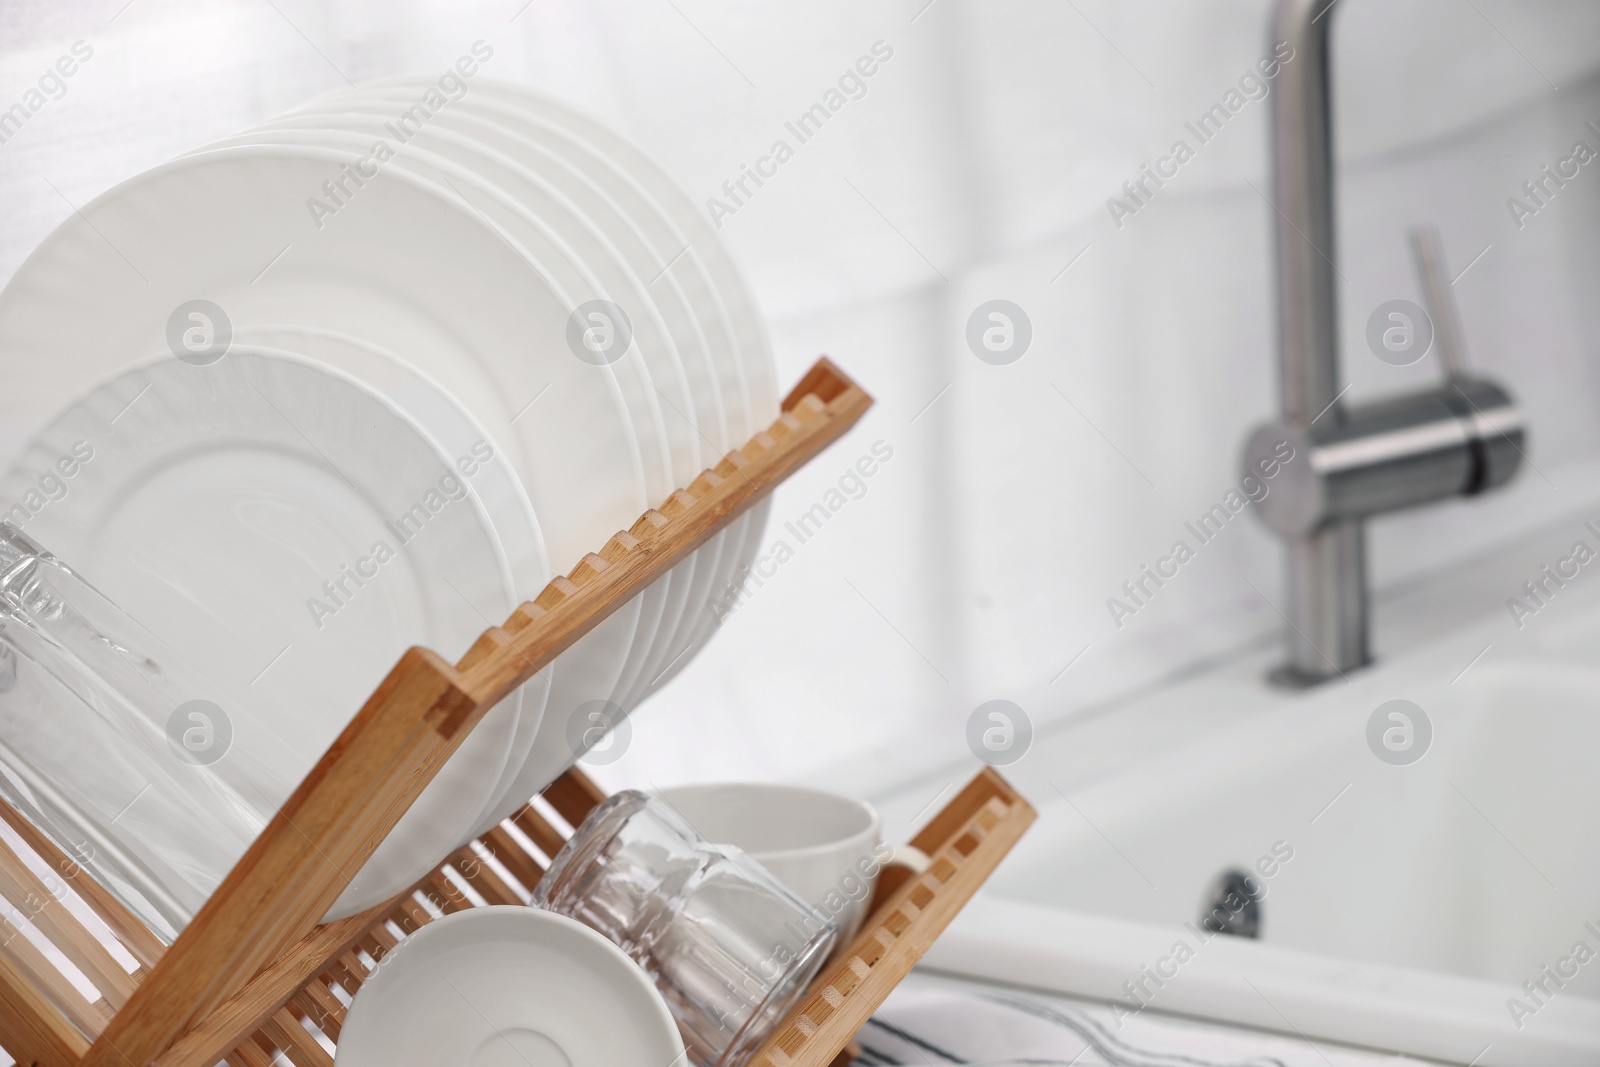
(730, 948)
(108, 746)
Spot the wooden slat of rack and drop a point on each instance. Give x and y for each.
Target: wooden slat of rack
(26, 958)
(285, 1031)
(250, 1055)
(956, 814)
(134, 935)
(378, 941)
(321, 1007)
(573, 797)
(481, 877)
(32, 1029)
(247, 1009)
(295, 870)
(767, 460)
(573, 792)
(540, 832)
(963, 850)
(505, 850)
(23, 889)
(417, 717)
(348, 972)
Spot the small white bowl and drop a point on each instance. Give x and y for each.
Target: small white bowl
(826, 847)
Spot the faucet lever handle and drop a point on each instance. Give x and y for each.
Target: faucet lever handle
(1440, 300)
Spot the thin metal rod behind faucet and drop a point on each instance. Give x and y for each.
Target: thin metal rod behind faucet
(1440, 299)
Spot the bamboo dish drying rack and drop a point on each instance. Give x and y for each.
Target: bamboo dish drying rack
(255, 975)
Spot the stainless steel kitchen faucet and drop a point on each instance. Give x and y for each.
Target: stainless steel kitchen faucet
(1351, 462)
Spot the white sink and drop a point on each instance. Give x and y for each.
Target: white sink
(1417, 900)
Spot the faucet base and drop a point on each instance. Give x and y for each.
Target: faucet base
(1288, 676)
(1325, 619)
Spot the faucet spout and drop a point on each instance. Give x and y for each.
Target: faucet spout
(1326, 621)
(1302, 186)
(1350, 462)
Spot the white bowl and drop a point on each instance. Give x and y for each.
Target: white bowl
(826, 847)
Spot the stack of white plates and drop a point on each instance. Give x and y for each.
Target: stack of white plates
(431, 351)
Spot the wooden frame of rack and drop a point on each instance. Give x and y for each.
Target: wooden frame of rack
(255, 974)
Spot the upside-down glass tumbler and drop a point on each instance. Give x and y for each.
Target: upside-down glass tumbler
(731, 949)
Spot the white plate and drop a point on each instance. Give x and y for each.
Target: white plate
(508, 987)
(547, 249)
(550, 132)
(579, 274)
(685, 241)
(558, 239)
(233, 227)
(292, 531)
(730, 303)
(559, 235)
(486, 474)
(666, 327)
(517, 158)
(730, 294)
(547, 136)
